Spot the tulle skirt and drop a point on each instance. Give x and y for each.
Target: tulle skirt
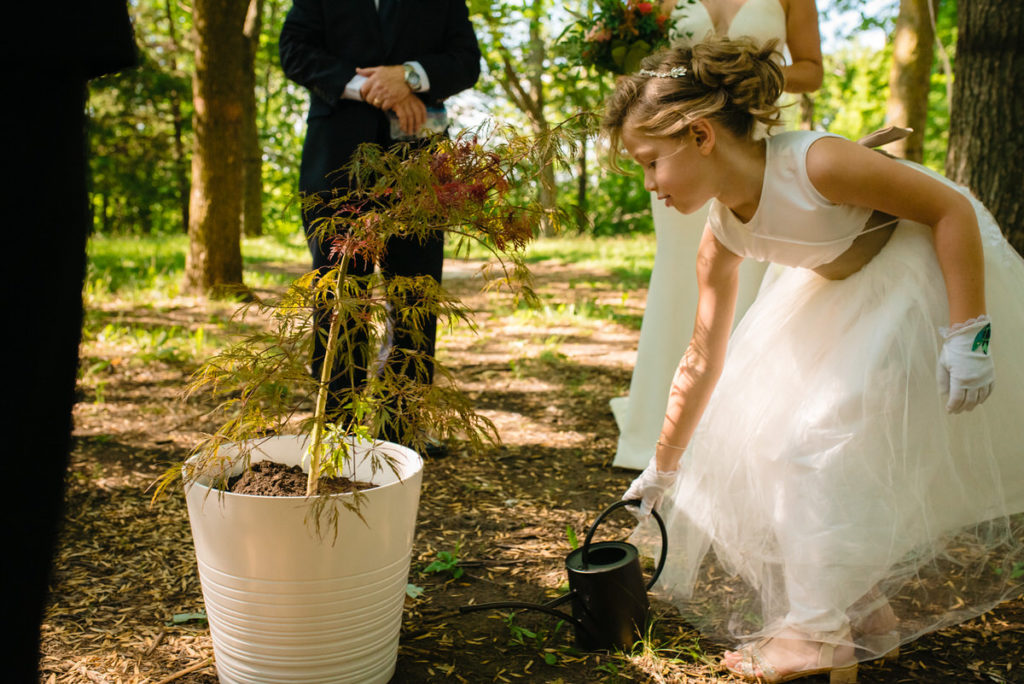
(826, 488)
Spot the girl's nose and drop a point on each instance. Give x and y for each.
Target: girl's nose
(649, 184)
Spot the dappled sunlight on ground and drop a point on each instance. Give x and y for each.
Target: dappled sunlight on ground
(510, 514)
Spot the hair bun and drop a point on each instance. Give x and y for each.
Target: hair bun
(734, 82)
(749, 72)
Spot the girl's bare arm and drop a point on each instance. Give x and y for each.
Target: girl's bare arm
(847, 173)
(702, 362)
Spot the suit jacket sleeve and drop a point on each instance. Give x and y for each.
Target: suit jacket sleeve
(320, 43)
(78, 40)
(457, 67)
(304, 56)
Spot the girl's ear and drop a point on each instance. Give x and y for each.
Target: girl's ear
(703, 134)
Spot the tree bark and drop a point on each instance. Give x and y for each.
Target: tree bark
(180, 163)
(531, 99)
(582, 203)
(214, 263)
(270, 66)
(910, 76)
(548, 190)
(806, 112)
(986, 145)
(252, 169)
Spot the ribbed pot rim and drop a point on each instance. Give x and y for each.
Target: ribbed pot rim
(413, 465)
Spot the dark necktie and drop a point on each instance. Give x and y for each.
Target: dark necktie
(386, 13)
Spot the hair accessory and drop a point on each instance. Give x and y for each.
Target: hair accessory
(674, 72)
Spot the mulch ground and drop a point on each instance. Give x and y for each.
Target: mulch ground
(126, 604)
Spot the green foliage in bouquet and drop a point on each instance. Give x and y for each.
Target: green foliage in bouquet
(618, 34)
(262, 385)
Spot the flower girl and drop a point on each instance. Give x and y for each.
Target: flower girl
(835, 476)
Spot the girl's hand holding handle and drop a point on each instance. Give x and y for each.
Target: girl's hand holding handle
(965, 371)
(649, 487)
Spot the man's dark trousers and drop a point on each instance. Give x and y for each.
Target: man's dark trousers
(322, 43)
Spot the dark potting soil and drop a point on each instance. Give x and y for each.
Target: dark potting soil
(267, 478)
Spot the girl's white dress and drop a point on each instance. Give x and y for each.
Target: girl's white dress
(672, 293)
(825, 477)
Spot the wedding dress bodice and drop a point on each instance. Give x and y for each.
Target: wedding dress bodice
(760, 19)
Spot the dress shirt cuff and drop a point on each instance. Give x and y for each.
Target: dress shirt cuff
(352, 88)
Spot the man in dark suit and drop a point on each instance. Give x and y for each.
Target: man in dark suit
(47, 204)
(378, 71)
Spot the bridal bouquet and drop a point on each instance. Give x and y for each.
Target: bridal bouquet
(619, 34)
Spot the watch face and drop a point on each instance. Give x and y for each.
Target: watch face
(412, 77)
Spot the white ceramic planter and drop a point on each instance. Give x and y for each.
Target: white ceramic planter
(283, 605)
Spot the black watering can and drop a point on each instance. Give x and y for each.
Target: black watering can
(606, 588)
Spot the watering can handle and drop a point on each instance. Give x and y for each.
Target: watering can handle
(661, 526)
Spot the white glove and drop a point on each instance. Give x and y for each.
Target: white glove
(650, 487)
(965, 371)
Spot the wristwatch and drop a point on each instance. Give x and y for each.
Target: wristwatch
(412, 77)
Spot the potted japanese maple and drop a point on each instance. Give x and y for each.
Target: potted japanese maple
(310, 587)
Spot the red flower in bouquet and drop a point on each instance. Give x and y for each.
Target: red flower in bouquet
(620, 34)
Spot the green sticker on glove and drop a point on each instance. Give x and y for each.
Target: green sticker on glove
(982, 338)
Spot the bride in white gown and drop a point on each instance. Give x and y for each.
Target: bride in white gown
(672, 293)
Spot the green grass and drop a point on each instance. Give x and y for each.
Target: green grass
(609, 265)
(119, 266)
(269, 249)
(146, 343)
(606, 252)
(154, 266)
(149, 268)
(148, 272)
(629, 258)
(551, 313)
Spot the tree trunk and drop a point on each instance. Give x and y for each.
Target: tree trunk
(986, 146)
(910, 76)
(214, 263)
(806, 112)
(524, 86)
(252, 168)
(582, 204)
(180, 163)
(270, 64)
(547, 194)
